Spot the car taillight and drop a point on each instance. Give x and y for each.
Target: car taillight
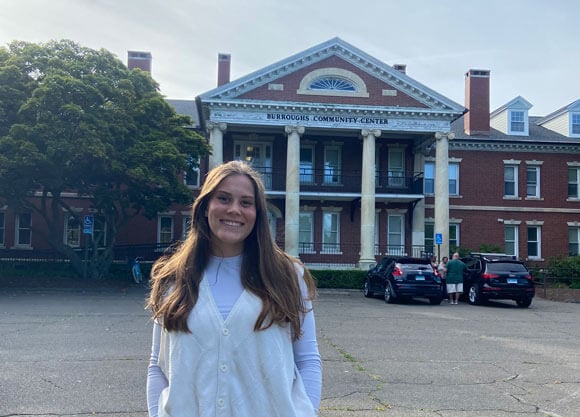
(397, 272)
(489, 276)
(530, 277)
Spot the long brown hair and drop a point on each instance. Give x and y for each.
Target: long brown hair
(267, 271)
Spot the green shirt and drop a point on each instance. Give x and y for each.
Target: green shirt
(455, 269)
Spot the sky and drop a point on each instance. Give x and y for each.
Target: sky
(531, 47)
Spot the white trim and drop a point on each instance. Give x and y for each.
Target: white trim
(359, 84)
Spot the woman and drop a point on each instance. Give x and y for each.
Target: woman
(234, 331)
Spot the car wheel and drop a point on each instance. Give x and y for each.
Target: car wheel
(474, 297)
(389, 295)
(435, 300)
(366, 290)
(524, 302)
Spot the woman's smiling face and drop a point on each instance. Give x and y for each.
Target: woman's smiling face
(231, 215)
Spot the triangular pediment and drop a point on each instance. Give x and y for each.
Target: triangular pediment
(284, 82)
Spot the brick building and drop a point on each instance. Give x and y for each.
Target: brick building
(360, 160)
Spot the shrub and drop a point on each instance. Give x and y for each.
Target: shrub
(351, 278)
(565, 269)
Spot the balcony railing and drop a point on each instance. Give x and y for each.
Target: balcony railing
(332, 180)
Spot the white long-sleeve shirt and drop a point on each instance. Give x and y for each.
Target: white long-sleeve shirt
(223, 278)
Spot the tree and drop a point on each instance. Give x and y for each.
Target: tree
(76, 120)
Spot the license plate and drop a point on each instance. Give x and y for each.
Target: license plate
(419, 278)
(512, 281)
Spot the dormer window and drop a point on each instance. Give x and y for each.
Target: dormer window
(517, 123)
(333, 82)
(575, 124)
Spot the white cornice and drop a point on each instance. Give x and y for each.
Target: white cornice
(458, 145)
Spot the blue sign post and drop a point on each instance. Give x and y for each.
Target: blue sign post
(88, 224)
(438, 242)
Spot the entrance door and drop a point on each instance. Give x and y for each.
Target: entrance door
(259, 156)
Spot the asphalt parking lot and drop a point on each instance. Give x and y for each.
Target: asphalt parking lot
(77, 353)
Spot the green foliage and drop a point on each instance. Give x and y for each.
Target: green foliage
(490, 248)
(73, 119)
(565, 269)
(459, 249)
(351, 278)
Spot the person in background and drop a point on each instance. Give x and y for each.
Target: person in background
(442, 268)
(234, 330)
(434, 265)
(454, 278)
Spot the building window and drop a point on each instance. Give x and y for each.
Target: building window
(510, 181)
(259, 156)
(573, 241)
(429, 239)
(429, 178)
(377, 244)
(575, 121)
(185, 226)
(165, 230)
(306, 232)
(331, 232)
(533, 181)
(396, 235)
(191, 175)
(396, 168)
(332, 84)
(307, 165)
(511, 240)
(72, 232)
(534, 242)
(332, 163)
(23, 229)
(517, 122)
(573, 180)
(453, 171)
(453, 236)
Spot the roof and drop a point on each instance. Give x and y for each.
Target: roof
(186, 108)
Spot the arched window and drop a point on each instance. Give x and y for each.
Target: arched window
(333, 82)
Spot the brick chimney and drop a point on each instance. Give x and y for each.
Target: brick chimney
(137, 59)
(224, 61)
(476, 120)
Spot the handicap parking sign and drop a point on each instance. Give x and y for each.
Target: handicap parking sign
(88, 224)
(438, 238)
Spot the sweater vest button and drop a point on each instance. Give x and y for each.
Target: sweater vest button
(226, 332)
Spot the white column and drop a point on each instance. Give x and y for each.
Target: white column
(216, 141)
(292, 219)
(367, 220)
(418, 227)
(442, 189)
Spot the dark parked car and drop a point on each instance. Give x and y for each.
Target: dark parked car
(497, 276)
(399, 278)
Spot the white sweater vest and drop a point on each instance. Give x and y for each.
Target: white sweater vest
(226, 369)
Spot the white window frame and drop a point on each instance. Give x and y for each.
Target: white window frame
(538, 241)
(515, 169)
(536, 185)
(377, 242)
(575, 125)
(429, 240)
(573, 167)
(242, 152)
(307, 173)
(512, 114)
(429, 177)
(72, 235)
(331, 247)
(18, 229)
(330, 178)
(195, 183)
(396, 174)
(303, 246)
(574, 234)
(455, 166)
(514, 242)
(396, 248)
(455, 227)
(162, 234)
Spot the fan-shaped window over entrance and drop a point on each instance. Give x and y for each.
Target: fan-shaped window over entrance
(333, 84)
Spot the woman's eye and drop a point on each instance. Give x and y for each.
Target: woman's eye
(222, 198)
(247, 203)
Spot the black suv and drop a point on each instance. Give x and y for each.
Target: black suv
(400, 278)
(497, 276)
